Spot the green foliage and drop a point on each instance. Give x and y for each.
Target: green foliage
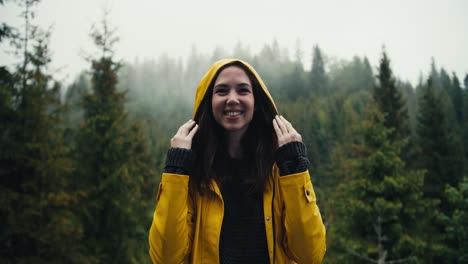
(378, 201)
(464, 126)
(439, 154)
(38, 219)
(293, 84)
(390, 101)
(318, 78)
(113, 165)
(351, 76)
(456, 230)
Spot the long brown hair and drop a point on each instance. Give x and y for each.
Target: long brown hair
(259, 142)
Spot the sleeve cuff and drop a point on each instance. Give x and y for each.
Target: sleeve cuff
(290, 151)
(179, 159)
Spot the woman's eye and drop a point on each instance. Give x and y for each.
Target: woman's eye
(220, 91)
(244, 91)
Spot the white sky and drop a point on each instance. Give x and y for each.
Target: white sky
(413, 31)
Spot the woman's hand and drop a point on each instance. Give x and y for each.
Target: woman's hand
(183, 137)
(285, 131)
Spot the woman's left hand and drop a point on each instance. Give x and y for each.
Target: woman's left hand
(285, 131)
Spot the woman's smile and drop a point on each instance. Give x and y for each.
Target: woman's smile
(233, 100)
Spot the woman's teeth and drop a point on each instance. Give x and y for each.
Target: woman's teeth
(232, 113)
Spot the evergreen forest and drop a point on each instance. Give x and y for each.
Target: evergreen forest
(80, 164)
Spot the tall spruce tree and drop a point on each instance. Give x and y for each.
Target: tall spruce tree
(390, 101)
(464, 125)
(38, 222)
(465, 81)
(438, 153)
(440, 157)
(113, 166)
(318, 78)
(294, 81)
(379, 203)
(456, 95)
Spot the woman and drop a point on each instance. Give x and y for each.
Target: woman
(236, 188)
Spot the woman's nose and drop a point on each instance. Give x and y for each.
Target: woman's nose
(232, 97)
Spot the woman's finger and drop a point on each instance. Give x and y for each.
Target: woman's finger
(281, 125)
(186, 123)
(192, 132)
(182, 127)
(291, 129)
(185, 128)
(286, 122)
(277, 129)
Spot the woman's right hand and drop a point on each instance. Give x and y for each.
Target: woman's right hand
(183, 137)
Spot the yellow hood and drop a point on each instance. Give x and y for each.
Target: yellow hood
(208, 78)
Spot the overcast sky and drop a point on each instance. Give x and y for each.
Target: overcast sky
(413, 31)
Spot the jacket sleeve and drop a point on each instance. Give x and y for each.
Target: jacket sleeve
(171, 233)
(304, 237)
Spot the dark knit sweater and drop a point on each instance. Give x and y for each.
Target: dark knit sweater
(243, 237)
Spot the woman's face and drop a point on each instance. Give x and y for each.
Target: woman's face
(233, 100)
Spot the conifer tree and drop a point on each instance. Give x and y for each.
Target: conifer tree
(438, 153)
(440, 156)
(457, 99)
(465, 82)
(318, 78)
(114, 174)
(390, 101)
(464, 125)
(38, 222)
(455, 239)
(379, 203)
(294, 82)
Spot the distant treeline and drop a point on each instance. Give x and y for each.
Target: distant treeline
(79, 173)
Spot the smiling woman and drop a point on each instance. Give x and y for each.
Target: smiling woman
(236, 188)
(233, 102)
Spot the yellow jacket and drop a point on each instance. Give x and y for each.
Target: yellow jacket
(186, 228)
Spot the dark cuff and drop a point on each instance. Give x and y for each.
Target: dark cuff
(292, 158)
(178, 161)
(290, 151)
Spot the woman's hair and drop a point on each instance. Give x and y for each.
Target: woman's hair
(209, 146)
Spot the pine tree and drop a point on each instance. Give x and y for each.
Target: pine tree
(351, 77)
(458, 125)
(390, 101)
(378, 203)
(454, 223)
(465, 82)
(438, 153)
(464, 124)
(294, 82)
(38, 222)
(440, 156)
(318, 77)
(114, 174)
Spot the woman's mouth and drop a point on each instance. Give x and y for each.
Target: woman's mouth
(232, 113)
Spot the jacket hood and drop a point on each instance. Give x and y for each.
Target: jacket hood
(212, 72)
